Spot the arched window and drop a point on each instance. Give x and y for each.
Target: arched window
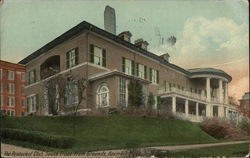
(103, 95)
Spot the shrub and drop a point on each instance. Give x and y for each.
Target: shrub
(221, 128)
(245, 125)
(38, 138)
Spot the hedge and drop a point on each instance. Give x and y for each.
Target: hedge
(37, 137)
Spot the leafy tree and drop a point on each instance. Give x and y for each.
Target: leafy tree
(151, 101)
(135, 94)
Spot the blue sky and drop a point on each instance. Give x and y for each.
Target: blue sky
(210, 33)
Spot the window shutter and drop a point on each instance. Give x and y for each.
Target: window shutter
(137, 69)
(145, 72)
(34, 76)
(150, 74)
(76, 56)
(91, 53)
(37, 102)
(104, 57)
(133, 68)
(123, 64)
(67, 59)
(165, 85)
(28, 77)
(157, 79)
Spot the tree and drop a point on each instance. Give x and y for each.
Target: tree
(58, 86)
(54, 91)
(151, 101)
(135, 94)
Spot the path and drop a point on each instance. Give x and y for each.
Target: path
(16, 150)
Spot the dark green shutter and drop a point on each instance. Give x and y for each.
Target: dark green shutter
(67, 59)
(145, 72)
(91, 53)
(133, 68)
(29, 77)
(37, 102)
(150, 74)
(104, 57)
(165, 85)
(34, 76)
(123, 64)
(137, 69)
(157, 79)
(76, 56)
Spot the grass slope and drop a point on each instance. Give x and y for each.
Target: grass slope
(102, 132)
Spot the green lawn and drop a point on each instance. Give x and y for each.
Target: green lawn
(110, 132)
(238, 150)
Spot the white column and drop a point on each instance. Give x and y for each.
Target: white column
(226, 112)
(220, 111)
(226, 93)
(186, 107)
(208, 89)
(220, 92)
(208, 110)
(197, 110)
(173, 104)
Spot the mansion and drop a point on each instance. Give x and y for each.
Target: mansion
(109, 62)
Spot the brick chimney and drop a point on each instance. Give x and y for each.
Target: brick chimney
(141, 43)
(165, 56)
(126, 35)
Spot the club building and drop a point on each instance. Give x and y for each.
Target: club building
(109, 62)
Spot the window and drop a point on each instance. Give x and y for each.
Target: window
(140, 70)
(22, 101)
(1, 100)
(11, 112)
(72, 58)
(31, 104)
(1, 87)
(167, 86)
(128, 66)
(32, 76)
(11, 88)
(1, 73)
(23, 76)
(103, 95)
(11, 101)
(11, 75)
(97, 55)
(123, 92)
(71, 94)
(154, 75)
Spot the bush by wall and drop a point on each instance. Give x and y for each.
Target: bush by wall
(38, 138)
(245, 125)
(221, 128)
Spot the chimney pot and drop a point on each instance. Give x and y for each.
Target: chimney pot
(141, 43)
(126, 35)
(165, 56)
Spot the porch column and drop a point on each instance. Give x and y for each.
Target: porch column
(226, 111)
(197, 110)
(208, 89)
(220, 111)
(186, 107)
(220, 91)
(208, 107)
(226, 93)
(173, 104)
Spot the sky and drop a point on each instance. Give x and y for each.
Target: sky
(209, 33)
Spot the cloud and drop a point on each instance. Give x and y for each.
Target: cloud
(219, 43)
